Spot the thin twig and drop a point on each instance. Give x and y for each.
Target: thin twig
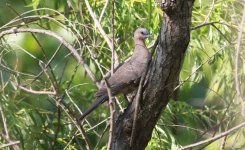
(30, 90)
(221, 33)
(200, 66)
(4, 121)
(95, 126)
(15, 146)
(75, 121)
(53, 146)
(101, 30)
(161, 144)
(107, 126)
(72, 138)
(77, 56)
(208, 23)
(213, 23)
(39, 44)
(181, 126)
(138, 97)
(222, 145)
(61, 104)
(137, 102)
(60, 39)
(154, 46)
(9, 144)
(55, 88)
(37, 41)
(215, 137)
(113, 39)
(103, 10)
(12, 71)
(236, 75)
(48, 63)
(217, 125)
(111, 102)
(210, 11)
(112, 114)
(67, 93)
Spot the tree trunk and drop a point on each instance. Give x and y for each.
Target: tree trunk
(162, 76)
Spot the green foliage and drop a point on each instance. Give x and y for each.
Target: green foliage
(207, 95)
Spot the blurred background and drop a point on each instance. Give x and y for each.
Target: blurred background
(210, 98)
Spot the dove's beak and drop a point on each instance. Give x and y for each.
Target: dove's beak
(148, 36)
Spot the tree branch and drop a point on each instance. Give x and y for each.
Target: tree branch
(236, 75)
(60, 39)
(215, 137)
(162, 76)
(98, 25)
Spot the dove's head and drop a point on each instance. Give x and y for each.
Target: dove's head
(141, 34)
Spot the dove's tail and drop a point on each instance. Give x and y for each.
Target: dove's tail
(99, 101)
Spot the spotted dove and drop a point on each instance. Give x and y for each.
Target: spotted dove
(126, 77)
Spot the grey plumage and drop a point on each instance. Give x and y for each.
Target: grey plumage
(126, 78)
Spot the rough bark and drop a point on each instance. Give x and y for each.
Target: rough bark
(163, 74)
